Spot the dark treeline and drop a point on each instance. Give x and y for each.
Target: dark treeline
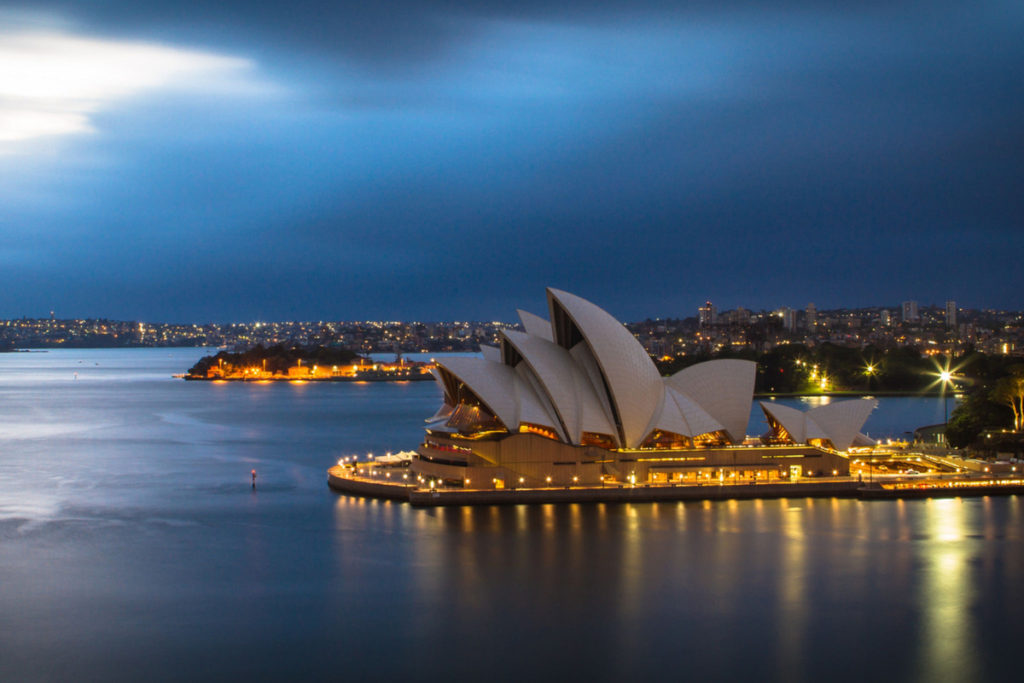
(991, 387)
(990, 417)
(795, 368)
(276, 359)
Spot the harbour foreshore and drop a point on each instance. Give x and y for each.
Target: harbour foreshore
(342, 479)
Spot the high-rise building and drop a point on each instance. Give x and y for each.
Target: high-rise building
(951, 315)
(910, 314)
(788, 319)
(707, 314)
(885, 317)
(811, 317)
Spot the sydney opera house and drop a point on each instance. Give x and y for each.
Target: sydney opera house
(575, 399)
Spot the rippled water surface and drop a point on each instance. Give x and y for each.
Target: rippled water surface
(132, 547)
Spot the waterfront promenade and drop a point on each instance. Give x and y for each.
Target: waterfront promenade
(346, 480)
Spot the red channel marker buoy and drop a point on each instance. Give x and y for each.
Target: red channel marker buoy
(254, 478)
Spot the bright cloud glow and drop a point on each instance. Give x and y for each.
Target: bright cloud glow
(53, 83)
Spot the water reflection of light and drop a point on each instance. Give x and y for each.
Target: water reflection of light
(792, 589)
(632, 566)
(946, 593)
(680, 517)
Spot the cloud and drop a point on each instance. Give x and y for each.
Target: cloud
(55, 83)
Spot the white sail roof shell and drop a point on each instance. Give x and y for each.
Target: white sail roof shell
(535, 325)
(583, 370)
(564, 383)
(792, 420)
(510, 398)
(634, 383)
(724, 388)
(863, 440)
(682, 415)
(491, 353)
(843, 420)
(838, 422)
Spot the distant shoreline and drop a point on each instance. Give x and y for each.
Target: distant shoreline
(932, 393)
(303, 380)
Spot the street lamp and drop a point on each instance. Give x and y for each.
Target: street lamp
(947, 380)
(869, 370)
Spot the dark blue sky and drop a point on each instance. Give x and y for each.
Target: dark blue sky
(193, 161)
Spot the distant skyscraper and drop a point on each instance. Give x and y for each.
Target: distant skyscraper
(885, 317)
(707, 314)
(788, 319)
(910, 314)
(811, 318)
(951, 315)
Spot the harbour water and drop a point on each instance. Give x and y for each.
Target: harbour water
(132, 546)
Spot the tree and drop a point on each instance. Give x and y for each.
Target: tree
(1009, 391)
(975, 413)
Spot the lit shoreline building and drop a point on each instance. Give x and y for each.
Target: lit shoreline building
(576, 399)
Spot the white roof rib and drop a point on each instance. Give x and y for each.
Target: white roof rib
(793, 421)
(597, 413)
(493, 383)
(842, 420)
(723, 388)
(535, 325)
(634, 383)
(564, 384)
(671, 419)
(697, 420)
(510, 398)
(535, 406)
(491, 353)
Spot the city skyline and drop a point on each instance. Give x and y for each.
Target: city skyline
(444, 160)
(702, 314)
(932, 330)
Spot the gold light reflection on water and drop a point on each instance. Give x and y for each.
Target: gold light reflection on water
(792, 589)
(760, 518)
(946, 593)
(576, 545)
(632, 565)
(548, 519)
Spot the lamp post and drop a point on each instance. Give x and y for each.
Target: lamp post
(947, 379)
